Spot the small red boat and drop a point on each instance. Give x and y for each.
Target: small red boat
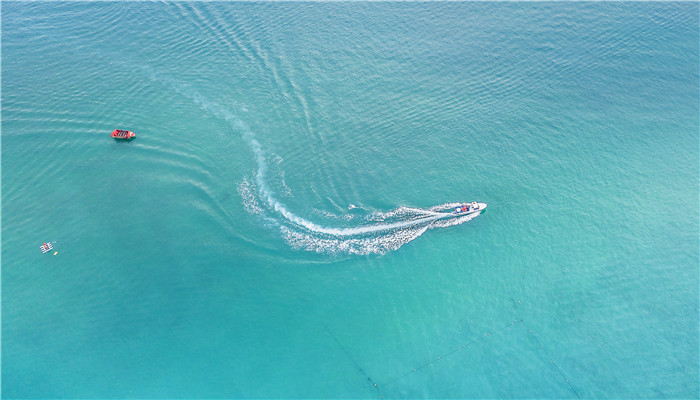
(122, 134)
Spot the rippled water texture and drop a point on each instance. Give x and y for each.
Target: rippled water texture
(281, 226)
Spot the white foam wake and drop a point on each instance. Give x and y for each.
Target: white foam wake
(378, 233)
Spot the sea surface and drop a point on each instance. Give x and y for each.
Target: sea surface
(277, 227)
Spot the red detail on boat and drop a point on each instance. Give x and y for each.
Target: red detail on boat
(122, 134)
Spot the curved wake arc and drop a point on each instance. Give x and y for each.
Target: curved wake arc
(381, 232)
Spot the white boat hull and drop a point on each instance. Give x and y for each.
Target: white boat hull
(472, 210)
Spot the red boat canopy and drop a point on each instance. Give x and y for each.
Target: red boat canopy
(122, 134)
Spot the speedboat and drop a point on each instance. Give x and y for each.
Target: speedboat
(469, 208)
(121, 134)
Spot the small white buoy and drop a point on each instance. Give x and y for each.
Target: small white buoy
(55, 253)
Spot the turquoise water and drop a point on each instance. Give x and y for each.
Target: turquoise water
(272, 230)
